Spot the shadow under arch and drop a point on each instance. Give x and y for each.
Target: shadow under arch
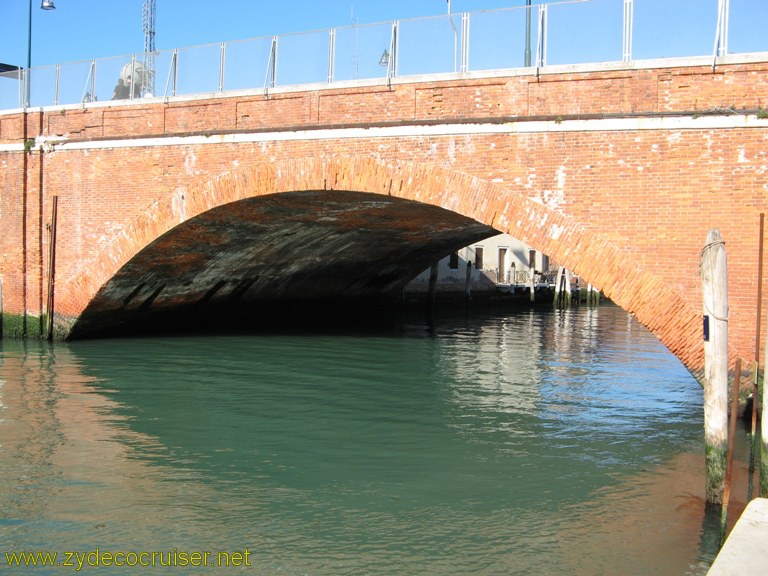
(492, 207)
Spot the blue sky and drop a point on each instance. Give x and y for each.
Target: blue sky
(85, 29)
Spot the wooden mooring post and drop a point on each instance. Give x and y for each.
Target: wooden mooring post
(468, 283)
(756, 371)
(52, 267)
(563, 288)
(764, 434)
(432, 290)
(593, 295)
(729, 456)
(533, 283)
(714, 278)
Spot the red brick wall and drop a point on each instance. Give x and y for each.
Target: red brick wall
(630, 207)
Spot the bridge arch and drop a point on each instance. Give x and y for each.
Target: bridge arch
(664, 312)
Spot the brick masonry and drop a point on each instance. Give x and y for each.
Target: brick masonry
(616, 173)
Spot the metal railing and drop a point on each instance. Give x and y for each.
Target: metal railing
(568, 32)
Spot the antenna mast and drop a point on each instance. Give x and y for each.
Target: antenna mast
(148, 25)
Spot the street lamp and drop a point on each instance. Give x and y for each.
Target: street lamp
(44, 5)
(527, 32)
(455, 36)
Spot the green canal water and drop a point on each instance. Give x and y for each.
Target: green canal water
(536, 443)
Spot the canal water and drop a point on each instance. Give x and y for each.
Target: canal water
(536, 443)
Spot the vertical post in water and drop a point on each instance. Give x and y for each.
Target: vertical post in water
(729, 456)
(559, 285)
(593, 295)
(432, 290)
(764, 436)
(563, 288)
(52, 266)
(468, 282)
(532, 271)
(533, 286)
(714, 280)
(756, 371)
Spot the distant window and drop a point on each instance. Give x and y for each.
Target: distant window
(532, 259)
(478, 257)
(453, 263)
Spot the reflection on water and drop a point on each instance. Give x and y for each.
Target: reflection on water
(531, 443)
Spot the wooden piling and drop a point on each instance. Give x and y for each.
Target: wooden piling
(432, 290)
(533, 284)
(764, 435)
(756, 371)
(729, 457)
(715, 298)
(593, 295)
(468, 282)
(563, 288)
(52, 267)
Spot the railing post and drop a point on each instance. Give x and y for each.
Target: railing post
(271, 79)
(629, 17)
(89, 90)
(25, 88)
(93, 80)
(331, 53)
(393, 46)
(172, 74)
(541, 42)
(464, 42)
(56, 85)
(721, 32)
(133, 76)
(222, 63)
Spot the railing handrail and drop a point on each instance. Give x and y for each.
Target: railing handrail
(141, 74)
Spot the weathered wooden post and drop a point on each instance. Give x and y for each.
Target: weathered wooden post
(432, 290)
(593, 295)
(532, 271)
(52, 267)
(756, 371)
(468, 282)
(729, 455)
(558, 285)
(563, 288)
(764, 434)
(714, 278)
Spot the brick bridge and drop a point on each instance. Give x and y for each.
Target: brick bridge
(245, 201)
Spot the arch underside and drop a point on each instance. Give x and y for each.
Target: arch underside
(308, 230)
(270, 258)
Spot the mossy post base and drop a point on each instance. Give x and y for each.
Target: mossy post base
(716, 462)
